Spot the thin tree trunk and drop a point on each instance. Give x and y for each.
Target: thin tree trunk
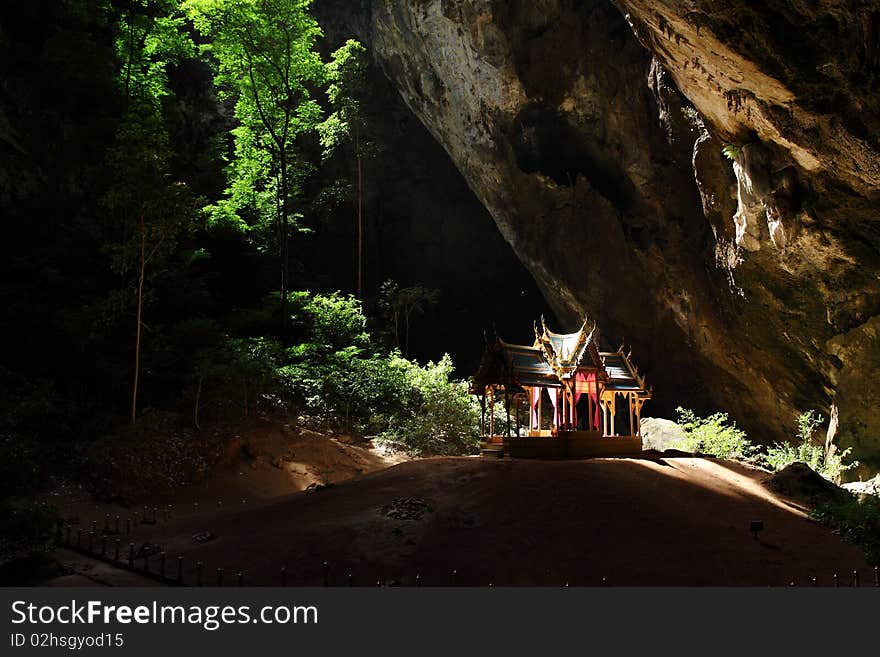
(284, 258)
(406, 337)
(140, 303)
(196, 407)
(360, 203)
(129, 64)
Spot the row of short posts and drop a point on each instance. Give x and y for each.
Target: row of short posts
(453, 579)
(112, 526)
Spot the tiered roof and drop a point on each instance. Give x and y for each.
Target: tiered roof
(565, 352)
(554, 357)
(514, 365)
(623, 375)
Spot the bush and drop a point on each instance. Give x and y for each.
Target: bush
(807, 451)
(237, 373)
(342, 378)
(855, 520)
(440, 416)
(717, 435)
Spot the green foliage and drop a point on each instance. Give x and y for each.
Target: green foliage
(332, 371)
(806, 450)
(731, 151)
(856, 520)
(151, 34)
(333, 321)
(347, 85)
(236, 374)
(266, 62)
(717, 435)
(439, 416)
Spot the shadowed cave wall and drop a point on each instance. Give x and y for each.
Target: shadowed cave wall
(592, 132)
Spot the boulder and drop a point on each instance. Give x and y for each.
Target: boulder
(660, 434)
(800, 482)
(870, 487)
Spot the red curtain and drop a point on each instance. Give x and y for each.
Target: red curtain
(586, 383)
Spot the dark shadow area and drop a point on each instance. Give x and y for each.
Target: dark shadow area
(545, 142)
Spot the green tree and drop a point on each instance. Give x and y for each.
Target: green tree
(266, 61)
(347, 86)
(153, 209)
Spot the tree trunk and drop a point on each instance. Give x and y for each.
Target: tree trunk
(196, 406)
(406, 336)
(140, 303)
(284, 263)
(360, 203)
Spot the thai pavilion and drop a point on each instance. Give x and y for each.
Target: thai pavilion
(561, 397)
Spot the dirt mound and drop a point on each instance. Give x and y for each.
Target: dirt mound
(800, 482)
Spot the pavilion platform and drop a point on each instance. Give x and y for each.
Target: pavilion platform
(566, 444)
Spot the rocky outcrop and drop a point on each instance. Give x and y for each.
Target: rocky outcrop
(661, 434)
(701, 178)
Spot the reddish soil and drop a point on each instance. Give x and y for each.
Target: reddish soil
(650, 522)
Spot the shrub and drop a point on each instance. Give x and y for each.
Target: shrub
(717, 435)
(237, 373)
(856, 520)
(439, 416)
(358, 389)
(807, 451)
(332, 321)
(343, 379)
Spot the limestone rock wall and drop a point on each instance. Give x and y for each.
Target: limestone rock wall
(746, 280)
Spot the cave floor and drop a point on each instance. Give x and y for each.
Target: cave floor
(631, 522)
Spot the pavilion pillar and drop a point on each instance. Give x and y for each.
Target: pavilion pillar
(516, 411)
(629, 399)
(566, 408)
(560, 409)
(639, 417)
(613, 411)
(540, 408)
(492, 412)
(596, 385)
(589, 410)
(507, 408)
